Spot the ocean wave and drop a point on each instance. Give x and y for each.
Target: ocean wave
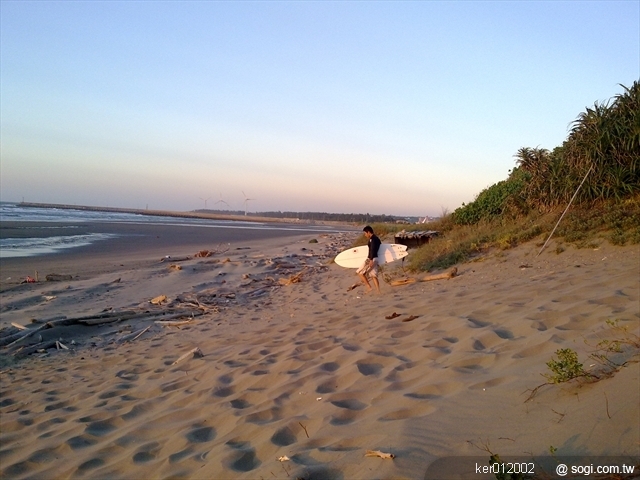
(29, 247)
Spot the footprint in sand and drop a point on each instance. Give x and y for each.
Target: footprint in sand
(283, 437)
(330, 366)
(475, 323)
(80, 442)
(200, 434)
(343, 418)
(101, 428)
(182, 454)
(350, 404)
(265, 416)
(243, 458)
(367, 369)
(329, 386)
(90, 464)
(240, 403)
(504, 333)
(223, 391)
(147, 453)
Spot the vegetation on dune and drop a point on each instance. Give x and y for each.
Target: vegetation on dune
(599, 163)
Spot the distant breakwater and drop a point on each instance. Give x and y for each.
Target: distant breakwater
(169, 213)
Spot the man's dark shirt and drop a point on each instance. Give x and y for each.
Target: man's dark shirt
(374, 246)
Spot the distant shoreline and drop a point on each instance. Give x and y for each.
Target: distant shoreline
(170, 213)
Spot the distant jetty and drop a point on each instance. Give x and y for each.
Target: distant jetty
(169, 213)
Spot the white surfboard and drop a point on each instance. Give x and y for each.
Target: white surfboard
(355, 257)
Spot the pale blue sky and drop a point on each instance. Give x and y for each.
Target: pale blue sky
(403, 108)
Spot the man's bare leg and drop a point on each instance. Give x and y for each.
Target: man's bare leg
(365, 280)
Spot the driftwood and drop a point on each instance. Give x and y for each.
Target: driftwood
(34, 348)
(297, 278)
(169, 258)
(92, 320)
(168, 323)
(133, 336)
(16, 337)
(55, 277)
(158, 300)
(403, 281)
(197, 353)
(378, 453)
(441, 276)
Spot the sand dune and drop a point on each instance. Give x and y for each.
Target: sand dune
(314, 371)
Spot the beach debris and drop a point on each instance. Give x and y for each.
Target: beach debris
(410, 318)
(135, 335)
(283, 458)
(17, 337)
(304, 428)
(158, 300)
(18, 326)
(117, 280)
(414, 239)
(355, 285)
(441, 276)
(525, 265)
(175, 267)
(99, 319)
(175, 323)
(378, 453)
(402, 281)
(29, 279)
(48, 298)
(174, 259)
(203, 253)
(56, 277)
(60, 345)
(392, 316)
(297, 278)
(39, 348)
(196, 352)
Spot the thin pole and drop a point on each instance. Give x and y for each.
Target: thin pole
(565, 211)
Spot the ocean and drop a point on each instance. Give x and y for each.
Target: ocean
(33, 231)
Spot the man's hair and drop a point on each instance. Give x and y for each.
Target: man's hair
(367, 229)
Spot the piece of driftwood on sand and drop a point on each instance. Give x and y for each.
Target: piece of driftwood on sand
(35, 348)
(441, 276)
(176, 323)
(99, 319)
(378, 453)
(197, 353)
(438, 276)
(133, 336)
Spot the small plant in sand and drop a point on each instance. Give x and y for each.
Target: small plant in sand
(614, 353)
(565, 368)
(611, 353)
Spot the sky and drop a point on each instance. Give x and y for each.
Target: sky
(398, 108)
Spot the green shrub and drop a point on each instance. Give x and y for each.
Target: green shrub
(565, 368)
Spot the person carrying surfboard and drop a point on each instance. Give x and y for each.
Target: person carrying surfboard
(370, 266)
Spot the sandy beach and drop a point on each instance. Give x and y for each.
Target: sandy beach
(282, 358)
